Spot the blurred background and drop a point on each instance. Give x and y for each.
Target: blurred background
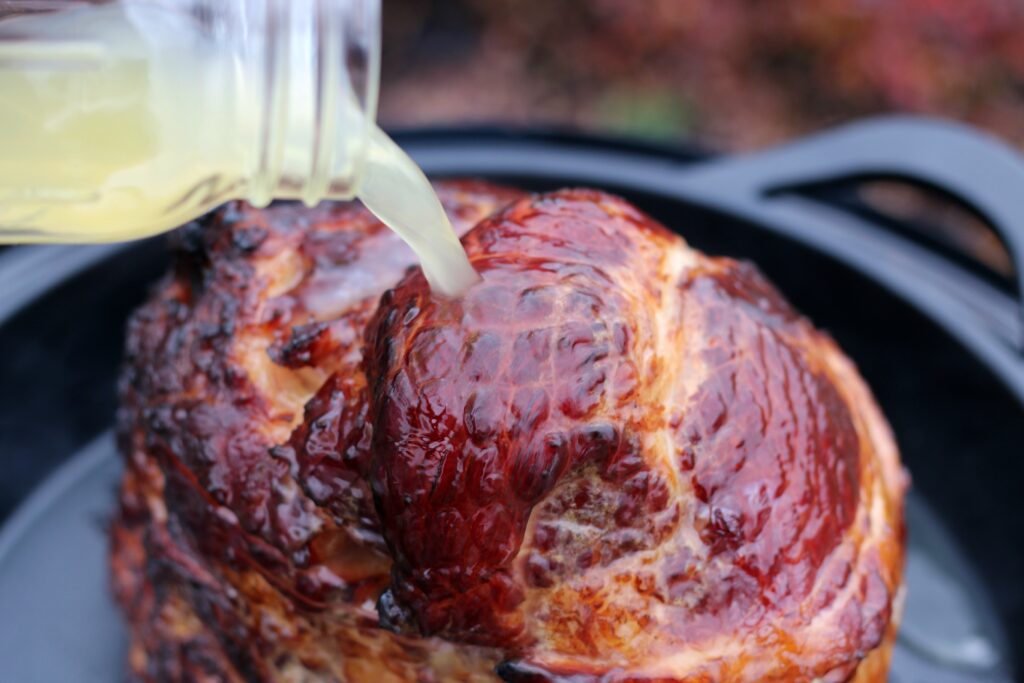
(732, 73)
(727, 75)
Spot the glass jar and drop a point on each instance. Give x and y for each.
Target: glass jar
(123, 119)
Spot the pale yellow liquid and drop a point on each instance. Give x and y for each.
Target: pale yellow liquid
(119, 123)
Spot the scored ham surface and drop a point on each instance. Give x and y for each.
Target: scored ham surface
(614, 459)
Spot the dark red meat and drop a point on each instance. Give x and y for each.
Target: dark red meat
(614, 459)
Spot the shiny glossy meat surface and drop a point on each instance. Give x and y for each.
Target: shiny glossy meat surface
(614, 459)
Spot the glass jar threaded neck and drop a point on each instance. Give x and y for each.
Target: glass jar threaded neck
(314, 68)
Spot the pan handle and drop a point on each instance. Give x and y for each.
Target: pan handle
(983, 173)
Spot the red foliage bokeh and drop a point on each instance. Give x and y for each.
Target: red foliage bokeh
(737, 72)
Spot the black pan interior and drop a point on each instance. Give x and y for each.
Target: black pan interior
(960, 431)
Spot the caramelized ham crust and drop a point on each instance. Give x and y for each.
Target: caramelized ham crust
(614, 459)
